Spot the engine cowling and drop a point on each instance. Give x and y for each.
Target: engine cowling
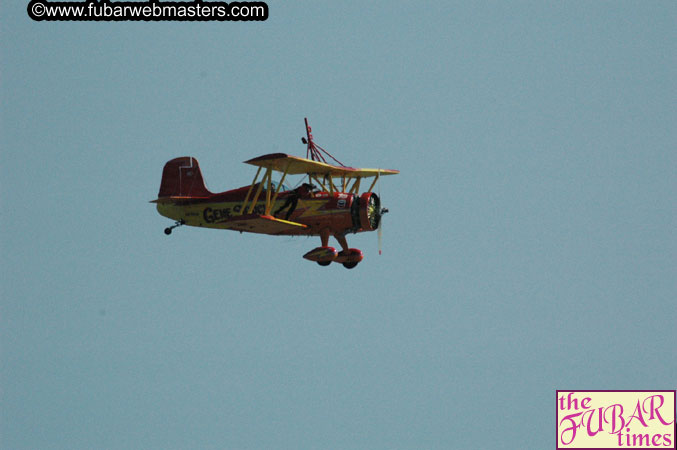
(370, 211)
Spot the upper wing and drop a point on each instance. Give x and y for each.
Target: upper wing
(294, 165)
(257, 223)
(176, 199)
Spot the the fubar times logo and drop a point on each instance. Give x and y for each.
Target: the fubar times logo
(607, 420)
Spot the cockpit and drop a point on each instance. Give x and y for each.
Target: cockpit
(283, 187)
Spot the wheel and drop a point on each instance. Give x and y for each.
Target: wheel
(168, 231)
(324, 263)
(349, 265)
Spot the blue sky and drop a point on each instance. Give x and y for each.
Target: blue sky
(530, 244)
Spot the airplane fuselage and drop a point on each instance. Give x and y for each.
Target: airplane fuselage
(337, 212)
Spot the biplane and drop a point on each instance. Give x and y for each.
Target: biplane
(328, 204)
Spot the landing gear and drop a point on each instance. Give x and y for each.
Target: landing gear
(177, 224)
(350, 258)
(325, 255)
(347, 265)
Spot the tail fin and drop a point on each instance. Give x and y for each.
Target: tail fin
(181, 177)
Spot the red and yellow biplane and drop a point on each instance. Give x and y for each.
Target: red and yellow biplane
(329, 204)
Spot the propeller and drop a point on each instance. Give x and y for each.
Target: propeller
(379, 232)
(380, 237)
(371, 214)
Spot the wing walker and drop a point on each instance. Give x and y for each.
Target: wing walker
(328, 204)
